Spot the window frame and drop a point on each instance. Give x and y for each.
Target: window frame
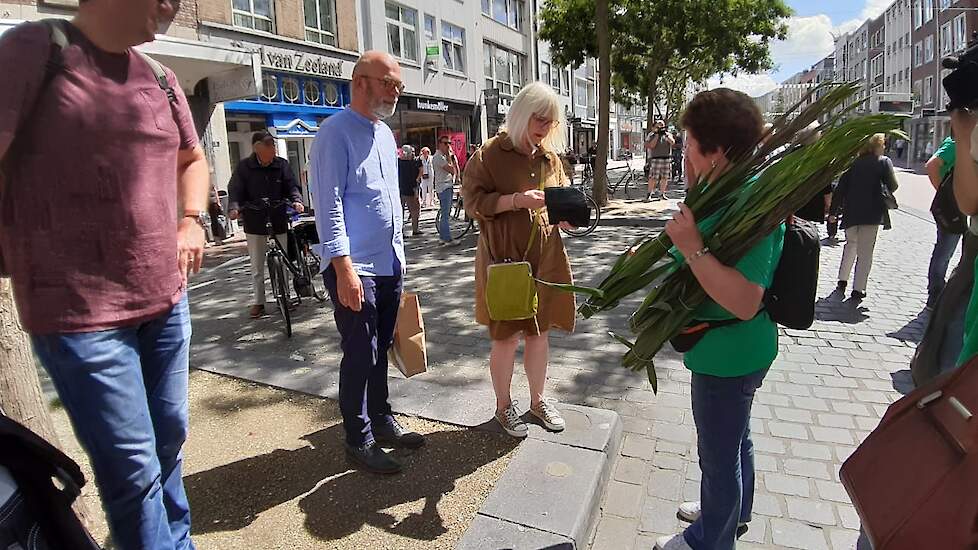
(960, 41)
(929, 55)
(490, 50)
(928, 90)
(402, 27)
(447, 43)
(237, 13)
(330, 34)
(512, 7)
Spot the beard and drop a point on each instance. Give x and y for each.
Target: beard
(383, 111)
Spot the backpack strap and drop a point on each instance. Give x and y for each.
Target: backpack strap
(160, 73)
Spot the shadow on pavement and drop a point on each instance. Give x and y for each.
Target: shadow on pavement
(336, 499)
(835, 307)
(903, 381)
(913, 331)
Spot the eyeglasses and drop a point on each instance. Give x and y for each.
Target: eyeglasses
(444, 143)
(544, 121)
(391, 84)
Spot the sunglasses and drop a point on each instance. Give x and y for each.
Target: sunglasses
(391, 84)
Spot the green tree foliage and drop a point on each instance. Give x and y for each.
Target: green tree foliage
(650, 39)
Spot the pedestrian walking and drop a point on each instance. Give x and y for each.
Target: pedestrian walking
(900, 145)
(261, 177)
(677, 156)
(817, 209)
(408, 170)
(355, 189)
(103, 212)
(427, 179)
(859, 198)
(938, 167)
(502, 191)
(730, 362)
(445, 167)
(658, 152)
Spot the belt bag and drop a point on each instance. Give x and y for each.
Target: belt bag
(511, 290)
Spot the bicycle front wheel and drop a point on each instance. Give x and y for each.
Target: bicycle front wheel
(280, 289)
(595, 218)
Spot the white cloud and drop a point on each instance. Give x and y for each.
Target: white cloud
(809, 40)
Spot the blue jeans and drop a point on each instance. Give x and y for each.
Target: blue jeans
(444, 211)
(365, 337)
(944, 249)
(125, 391)
(721, 410)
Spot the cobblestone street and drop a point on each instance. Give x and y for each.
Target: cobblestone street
(828, 388)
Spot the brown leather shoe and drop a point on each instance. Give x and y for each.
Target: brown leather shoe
(256, 311)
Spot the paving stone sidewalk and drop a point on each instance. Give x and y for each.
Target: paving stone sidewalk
(827, 390)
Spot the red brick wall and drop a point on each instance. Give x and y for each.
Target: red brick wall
(214, 11)
(187, 16)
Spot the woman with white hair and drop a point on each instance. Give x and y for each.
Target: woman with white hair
(502, 190)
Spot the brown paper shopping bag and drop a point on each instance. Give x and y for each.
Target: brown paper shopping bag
(409, 353)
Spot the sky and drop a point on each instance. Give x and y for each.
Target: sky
(809, 40)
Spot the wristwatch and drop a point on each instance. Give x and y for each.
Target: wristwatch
(200, 217)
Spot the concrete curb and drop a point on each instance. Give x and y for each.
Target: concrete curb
(549, 496)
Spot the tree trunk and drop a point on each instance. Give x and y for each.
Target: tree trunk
(20, 389)
(21, 398)
(604, 102)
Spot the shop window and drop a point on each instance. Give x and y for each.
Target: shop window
(310, 92)
(402, 32)
(269, 87)
(290, 89)
(253, 14)
(320, 18)
(453, 47)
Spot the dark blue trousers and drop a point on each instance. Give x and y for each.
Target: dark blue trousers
(365, 337)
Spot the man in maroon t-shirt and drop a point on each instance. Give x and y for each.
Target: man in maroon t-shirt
(103, 186)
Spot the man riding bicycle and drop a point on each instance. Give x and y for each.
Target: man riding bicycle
(262, 176)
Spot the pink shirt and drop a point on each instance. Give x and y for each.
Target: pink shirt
(88, 210)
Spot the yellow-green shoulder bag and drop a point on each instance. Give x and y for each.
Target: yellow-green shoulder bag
(511, 291)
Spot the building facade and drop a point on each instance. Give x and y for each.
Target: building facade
(898, 48)
(940, 28)
(208, 73)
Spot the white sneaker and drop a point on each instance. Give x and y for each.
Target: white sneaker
(549, 415)
(511, 422)
(690, 511)
(672, 542)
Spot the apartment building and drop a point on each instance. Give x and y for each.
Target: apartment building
(940, 28)
(898, 49)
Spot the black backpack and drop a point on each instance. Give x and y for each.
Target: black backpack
(38, 515)
(945, 209)
(790, 301)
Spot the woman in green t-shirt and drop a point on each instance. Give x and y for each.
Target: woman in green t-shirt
(730, 362)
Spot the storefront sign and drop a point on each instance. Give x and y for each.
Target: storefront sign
(426, 105)
(240, 83)
(302, 62)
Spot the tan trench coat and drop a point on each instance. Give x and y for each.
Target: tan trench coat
(499, 169)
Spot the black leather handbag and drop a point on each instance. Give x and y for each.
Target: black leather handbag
(567, 204)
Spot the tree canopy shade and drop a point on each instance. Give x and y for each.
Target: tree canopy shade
(651, 38)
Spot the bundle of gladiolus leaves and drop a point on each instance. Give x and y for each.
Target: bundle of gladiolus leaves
(741, 207)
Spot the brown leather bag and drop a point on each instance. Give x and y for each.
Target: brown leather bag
(914, 480)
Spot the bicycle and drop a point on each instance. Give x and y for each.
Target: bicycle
(278, 263)
(630, 176)
(459, 222)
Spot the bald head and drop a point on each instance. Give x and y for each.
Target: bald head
(376, 85)
(373, 62)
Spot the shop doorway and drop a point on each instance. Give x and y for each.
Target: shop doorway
(297, 150)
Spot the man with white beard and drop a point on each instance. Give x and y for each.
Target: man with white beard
(359, 217)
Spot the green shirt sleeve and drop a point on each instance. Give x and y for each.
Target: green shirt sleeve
(759, 264)
(947, 153)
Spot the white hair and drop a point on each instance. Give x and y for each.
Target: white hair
(538, 99)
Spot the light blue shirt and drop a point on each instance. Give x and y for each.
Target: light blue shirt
(354, 189)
